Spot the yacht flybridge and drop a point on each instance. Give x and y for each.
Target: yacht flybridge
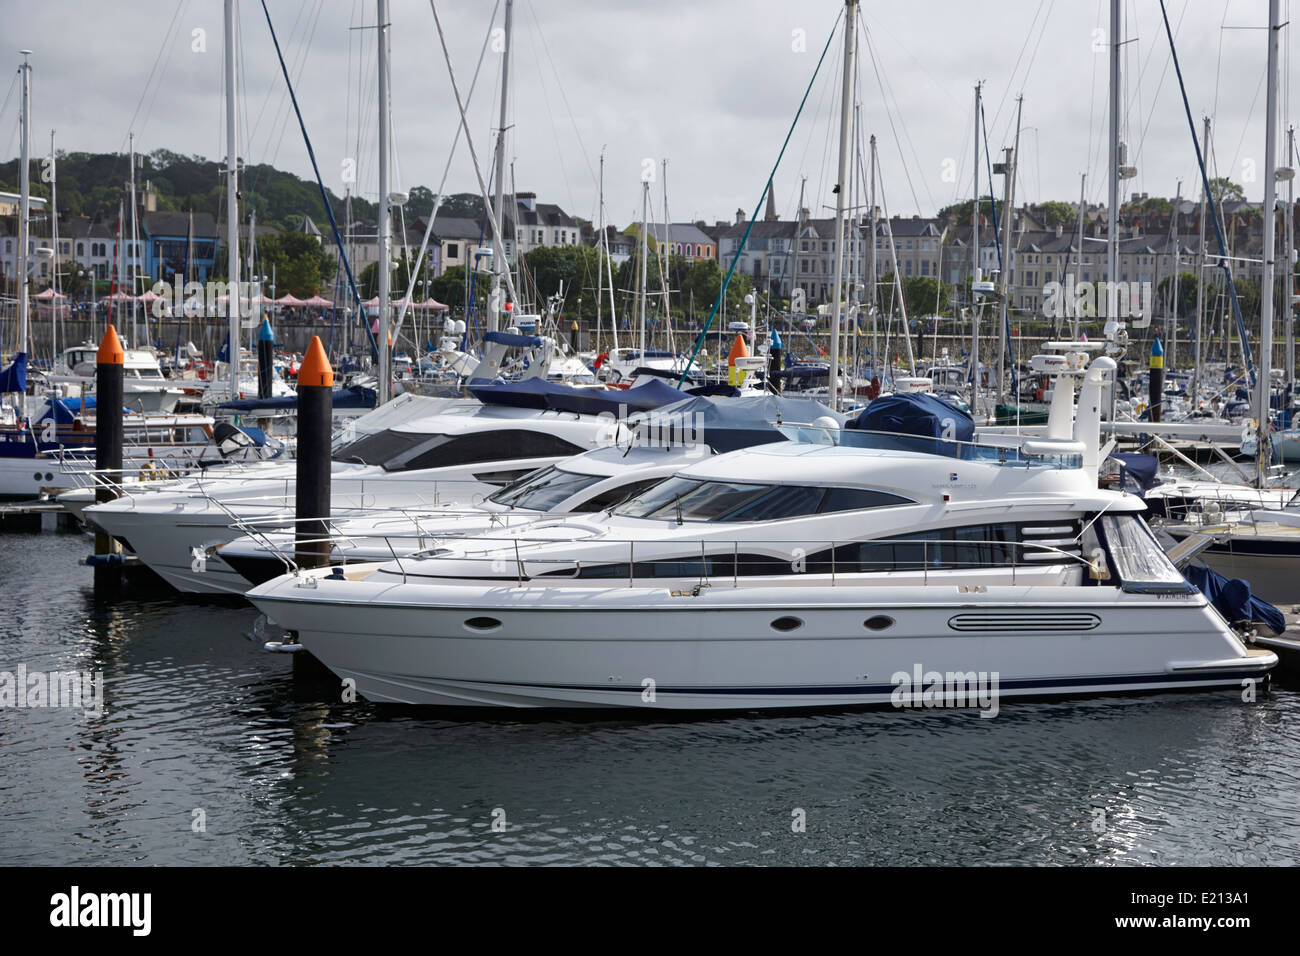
(807, 573)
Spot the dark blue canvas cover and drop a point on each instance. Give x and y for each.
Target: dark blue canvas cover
(921, 415)
(726, 424)
(1232, 599)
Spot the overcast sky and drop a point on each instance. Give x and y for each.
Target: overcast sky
(710, 85)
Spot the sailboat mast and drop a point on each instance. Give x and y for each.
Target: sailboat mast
(1288, 286)
(54, 240)
(499, 258)
(385, 212)
(600, 248)
(1171, 359)
(841, 192)
(871, 266)
(645, 248)
(974, 270)
(666, 277)
(1263, 395)
(609, 260)
(232, 202)
(1200, 281)
(24, 215)
(1078, 259)
(1009, 253)
(135, 248)
(1112, 213)
(120, 252)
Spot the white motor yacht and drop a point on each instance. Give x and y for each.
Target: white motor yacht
(458, 456)
(809, 573)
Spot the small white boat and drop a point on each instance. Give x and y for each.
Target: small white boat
(144, 387)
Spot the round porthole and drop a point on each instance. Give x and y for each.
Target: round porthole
(878, 623)
(482, 624)
(37, 476)
(786, 624)
(49, 476)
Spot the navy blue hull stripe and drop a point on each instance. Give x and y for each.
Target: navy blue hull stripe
(1192, 677)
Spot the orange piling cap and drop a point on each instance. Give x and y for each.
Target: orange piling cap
(110, 349)
(315, 368)
(738, 350)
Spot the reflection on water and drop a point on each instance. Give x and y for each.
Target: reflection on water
(199, 718)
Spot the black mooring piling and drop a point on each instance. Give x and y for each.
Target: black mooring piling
(1156, 381)
(265, 358)
(110, 369)
(315, 413)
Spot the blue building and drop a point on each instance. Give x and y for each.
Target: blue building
(179, 243)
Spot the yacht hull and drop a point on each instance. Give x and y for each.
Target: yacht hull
(167, 543)
(642, 648)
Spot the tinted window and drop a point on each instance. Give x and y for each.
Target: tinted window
(692, 566)
(508, 494)
(974, 546)
(558, 485)
(981, 546)
(380, 447)
(787, 501)
(655, 498)
(613, 496)
(709, 501)
(857, 499)
(450, 451)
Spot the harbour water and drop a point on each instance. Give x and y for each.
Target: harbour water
(208, 751)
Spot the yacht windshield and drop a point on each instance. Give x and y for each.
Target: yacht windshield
(543, 490)
(1137, 556)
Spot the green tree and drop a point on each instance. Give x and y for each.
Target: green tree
(959, 213)
(1225, 190)
(462, 206)
(1057, 213)
(1186, 304)
(449, 288)
(921, 295)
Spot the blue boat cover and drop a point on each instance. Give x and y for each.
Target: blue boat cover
(1137, 472)
(921, 415)
(354, 396)
(721, 389)
(223, 431)
(541, 394)
(654, 393)
(1232, 599)
(14, 378)
(725, 424)
(64, 411)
